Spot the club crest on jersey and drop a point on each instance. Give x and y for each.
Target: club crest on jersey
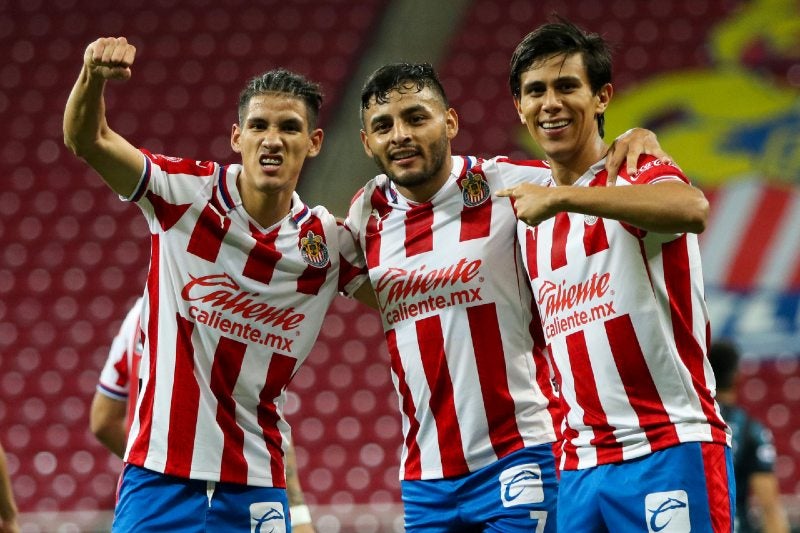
(314, 250)
(474, 189)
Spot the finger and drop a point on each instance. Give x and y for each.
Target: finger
(632, 160)
(504, 192)
(120, 51)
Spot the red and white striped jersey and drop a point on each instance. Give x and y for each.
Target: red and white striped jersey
(230, 312)
(459, 323)
(119, 377)
(625, 318)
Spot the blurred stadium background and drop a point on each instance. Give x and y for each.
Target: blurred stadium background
(718, 80)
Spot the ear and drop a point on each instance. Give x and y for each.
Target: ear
(365, 143)
(451, 122)
(315, 139)
(604, 97)
(519, 111)
(236, 133)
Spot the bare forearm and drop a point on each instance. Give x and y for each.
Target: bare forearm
(662, 208)
(86, 131)
(764, 486)
(8, 506)
(84, 115)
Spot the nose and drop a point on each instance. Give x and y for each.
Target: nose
(272, 138)
(551, 100)
(400, 133)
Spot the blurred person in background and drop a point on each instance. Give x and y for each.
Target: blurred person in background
(241, 275)
(753, 450)
(8, 506)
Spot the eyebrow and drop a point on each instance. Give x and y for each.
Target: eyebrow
(403, 112)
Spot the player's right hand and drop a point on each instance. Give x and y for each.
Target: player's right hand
(110, 58)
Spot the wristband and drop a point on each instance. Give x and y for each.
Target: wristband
(300, 514)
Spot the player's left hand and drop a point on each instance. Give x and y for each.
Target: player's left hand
(303, 528)
(628, 147)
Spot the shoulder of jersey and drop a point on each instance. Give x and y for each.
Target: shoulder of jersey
(649, 167)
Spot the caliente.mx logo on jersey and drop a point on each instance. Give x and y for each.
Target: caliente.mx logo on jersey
(314, 250)
(474, 189)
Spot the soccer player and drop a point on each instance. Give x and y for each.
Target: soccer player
(618, 283)
(753, 450)
(117, 389)
(474, 387)
(241, 274)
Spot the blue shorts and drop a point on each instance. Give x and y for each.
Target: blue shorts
(149, 501)
(515, 494)
(689, 487)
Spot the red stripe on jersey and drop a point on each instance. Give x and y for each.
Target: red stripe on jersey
(185, 403)
(491, 364)
(717, 487)
(608, 449)
(413, 467)
(419, 229)
(372, 237)
(638, 383)
(312, 279)
(141, 444)
(174, 165)
(679, 289)
(476, 220)
(430, 339)
(758, 237)
(208, 232)
(263, 256)
(544, 365)
(133, 390)
(166, 213)
(594, 236)
(530, 251)
(121, 368)
(558, 253)
(794, 279)
(225, 371)
(281, 368)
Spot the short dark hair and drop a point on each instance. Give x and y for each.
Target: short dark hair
(401, 77)
(557, 38)
(283, 81)
(724, 358)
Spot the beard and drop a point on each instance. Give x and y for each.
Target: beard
(432, 166)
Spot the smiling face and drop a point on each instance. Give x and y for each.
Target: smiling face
(558, 107)
(274, 140)
(409, 137)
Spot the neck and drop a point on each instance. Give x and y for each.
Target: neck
(424, 191)
(569, 168)
(267, 208)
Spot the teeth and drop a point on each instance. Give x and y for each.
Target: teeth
(556, 124)
(402, 155)
(269, 161)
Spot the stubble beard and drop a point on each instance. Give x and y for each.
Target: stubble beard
(414, 179)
